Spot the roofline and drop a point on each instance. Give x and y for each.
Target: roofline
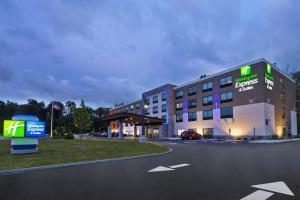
(126, 104)
(232, 69)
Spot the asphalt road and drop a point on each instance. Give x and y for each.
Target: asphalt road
(216, 171)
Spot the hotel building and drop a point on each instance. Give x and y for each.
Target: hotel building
(252, 99)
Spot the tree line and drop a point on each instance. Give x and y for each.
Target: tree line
(70, 118)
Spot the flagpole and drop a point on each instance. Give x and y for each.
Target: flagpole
(51, 132)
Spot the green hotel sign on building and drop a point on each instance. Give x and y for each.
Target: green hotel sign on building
(246, 80)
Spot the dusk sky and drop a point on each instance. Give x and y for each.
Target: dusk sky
(108, 52)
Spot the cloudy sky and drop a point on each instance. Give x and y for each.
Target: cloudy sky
(107, 51)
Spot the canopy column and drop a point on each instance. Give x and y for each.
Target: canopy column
(120, 130)
(108, 132)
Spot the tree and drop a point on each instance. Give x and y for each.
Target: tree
(69, 111)
(83, 119)
(99, 124)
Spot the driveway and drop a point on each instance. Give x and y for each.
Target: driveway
(200, 171)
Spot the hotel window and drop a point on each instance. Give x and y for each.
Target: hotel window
(126, 109)
(282, 98)
(192, 90)
(179, 94)
(131, 107)
(163, 108)
(267, 121)
(207, 86)
(155, 109)
(207, 114)
(163, 96)
(226, 97)
(179, 117)
(179, 106)
(281, 80)
(226, 112)
(192, 103)
(147, 111)
(147, 101)
(226, 81)
(283, 113)
(192, 116)
(164, 117)
(207, 100)
(155, 99)
(137, 106)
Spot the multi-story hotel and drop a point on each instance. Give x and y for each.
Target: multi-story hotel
(252, 99)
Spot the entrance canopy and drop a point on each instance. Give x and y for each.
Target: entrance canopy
(134, 119)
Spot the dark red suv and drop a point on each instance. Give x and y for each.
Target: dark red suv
(190, 135)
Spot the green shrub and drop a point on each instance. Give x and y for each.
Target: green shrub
(274, 136)
(69, 136)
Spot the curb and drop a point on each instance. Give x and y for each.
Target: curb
(57, 166)
(274, 141)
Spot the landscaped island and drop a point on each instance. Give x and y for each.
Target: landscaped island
(69, 151)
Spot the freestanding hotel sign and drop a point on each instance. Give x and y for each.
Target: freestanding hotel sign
(24, 134)
(246, 81)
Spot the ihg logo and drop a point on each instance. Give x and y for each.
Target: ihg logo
(14, 128)
(245, 70)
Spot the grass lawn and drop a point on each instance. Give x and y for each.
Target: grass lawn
(66, 151)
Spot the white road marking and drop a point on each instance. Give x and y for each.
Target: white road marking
(180, 165)
(258, 195)
(171, 143)
(279, 187)
(160, 169)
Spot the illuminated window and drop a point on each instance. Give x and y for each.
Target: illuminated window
(131, 107)
(192, 116)
(207, 100)
(207, 114)
(226, 81)
(179, 106)
(226, 97)
(179, 117)
(192, 90)
(226, 112)
(179, 94)
(207, 86)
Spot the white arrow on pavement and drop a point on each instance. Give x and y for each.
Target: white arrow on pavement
(258, 195)
(180, 165)
(279, 187)
(160, 169)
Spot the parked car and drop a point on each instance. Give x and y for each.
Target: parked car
(190, 135)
